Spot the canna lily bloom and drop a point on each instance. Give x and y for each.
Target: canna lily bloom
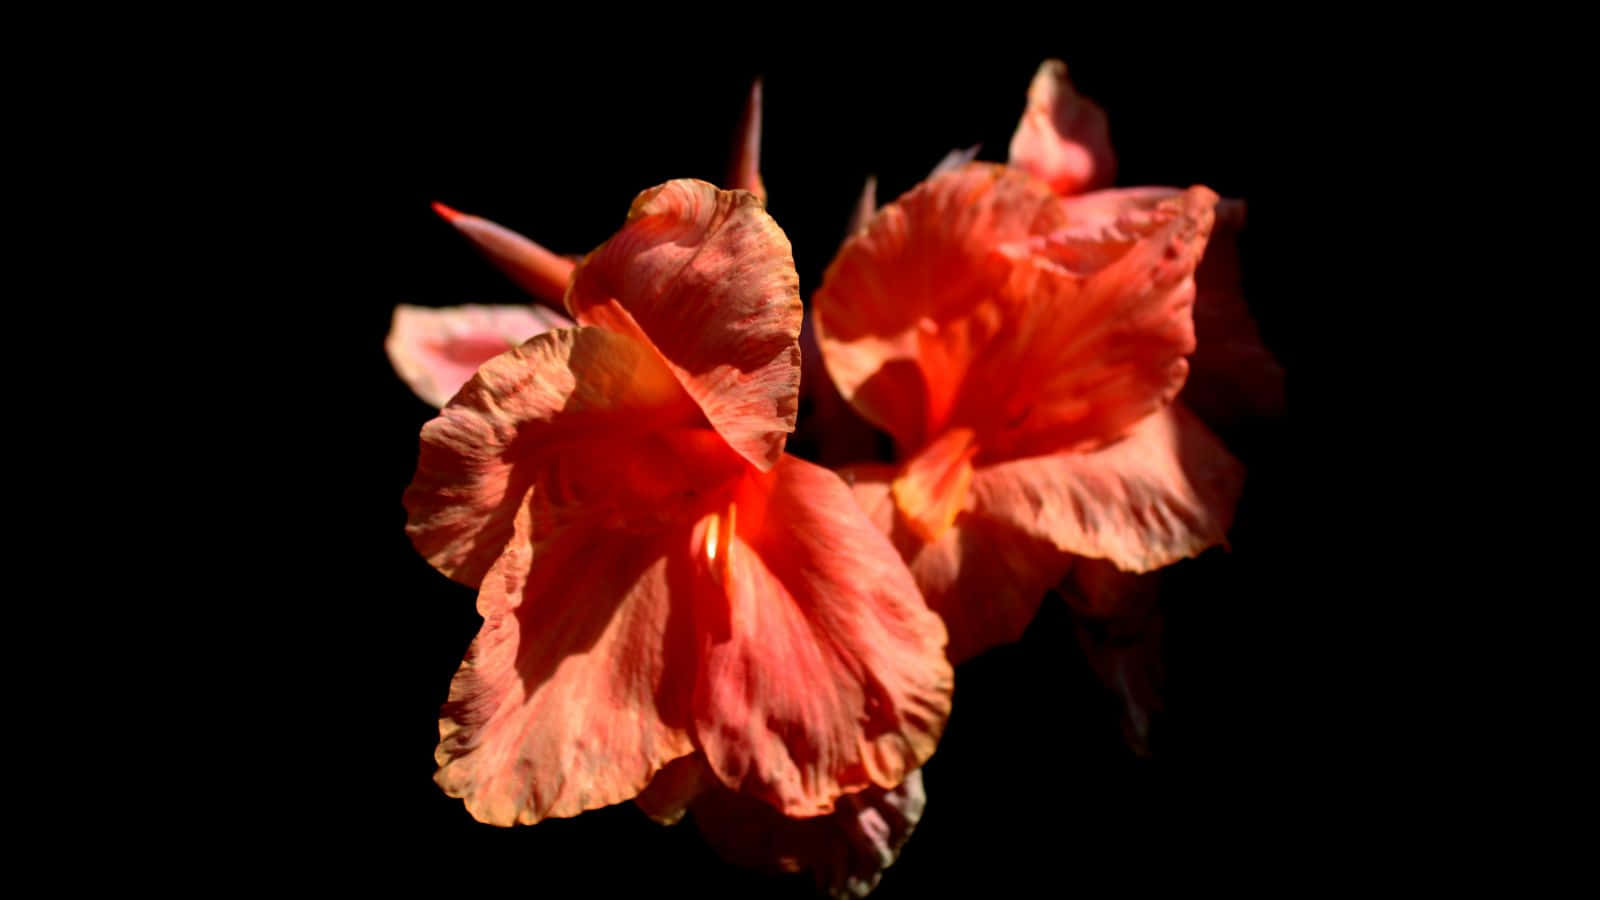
(1023, 351)
(659, 582)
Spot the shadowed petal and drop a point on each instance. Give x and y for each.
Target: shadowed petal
(435, 351)
(1165, 492)
(822, 671)
(536, 270)
(577, 689)
(1062, 137)
(585, 416)
(984, 576)
(846, 850)
(708, 279)
(1232, 375)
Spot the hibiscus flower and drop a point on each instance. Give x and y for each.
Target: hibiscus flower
(659, 582)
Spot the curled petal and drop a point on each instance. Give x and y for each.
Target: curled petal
(584, 417)
(846, 851)
(822, 671)
(675, 787)
(910, 302)
(984, 576)
(435, 351)
(1062, 137)
(576, 692)
(708, 279)
(536, 270)
(1165, 492)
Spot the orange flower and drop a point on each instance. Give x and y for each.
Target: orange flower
(1023, 350)
(658, 580)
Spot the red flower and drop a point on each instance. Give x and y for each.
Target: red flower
(658, 580)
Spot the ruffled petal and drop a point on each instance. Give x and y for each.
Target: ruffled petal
(1062, 137)
(435, 351)
(984, 576)
(1165, 492)
(708, 278)
(536, 270)
(577, 689)
(585, 417)
(846, 851)
(1097, 336)
(909, 303)
(822, 671)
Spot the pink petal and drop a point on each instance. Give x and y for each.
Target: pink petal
(576, 691)
(1165, 492)
(575, 415)
(708, 278)
(822, 671)
(435, 351)
(1062, 137)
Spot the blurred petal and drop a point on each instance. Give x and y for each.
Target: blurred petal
(581, 416)
(708, 279)
(909, 302)
(744, 173)
(955, 159)
(435, 351)
(577, 689)
(536, 270)
(985, 577)
(1232, 375)
(866, 206)
(1062, 137)
(1119, 625)
(846, 850)
(1165, 492)
(822, 671)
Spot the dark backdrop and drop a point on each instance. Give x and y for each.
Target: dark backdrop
(1032, 783)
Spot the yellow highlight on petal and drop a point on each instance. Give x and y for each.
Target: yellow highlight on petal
(719, 542)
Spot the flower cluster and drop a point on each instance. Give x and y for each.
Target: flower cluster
(679, 613)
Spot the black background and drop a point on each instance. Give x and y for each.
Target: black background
(1031, 784)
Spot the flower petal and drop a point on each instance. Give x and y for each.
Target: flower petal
(1062, 137)
(435, 351)
(985, 577)
(1119, 625)
(708, 278)
(909, 302)
(577, 689)
(1097, 334)
(536, 270)
(846, 851)
(1165, 492)
(822, 671)
(576, 413)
